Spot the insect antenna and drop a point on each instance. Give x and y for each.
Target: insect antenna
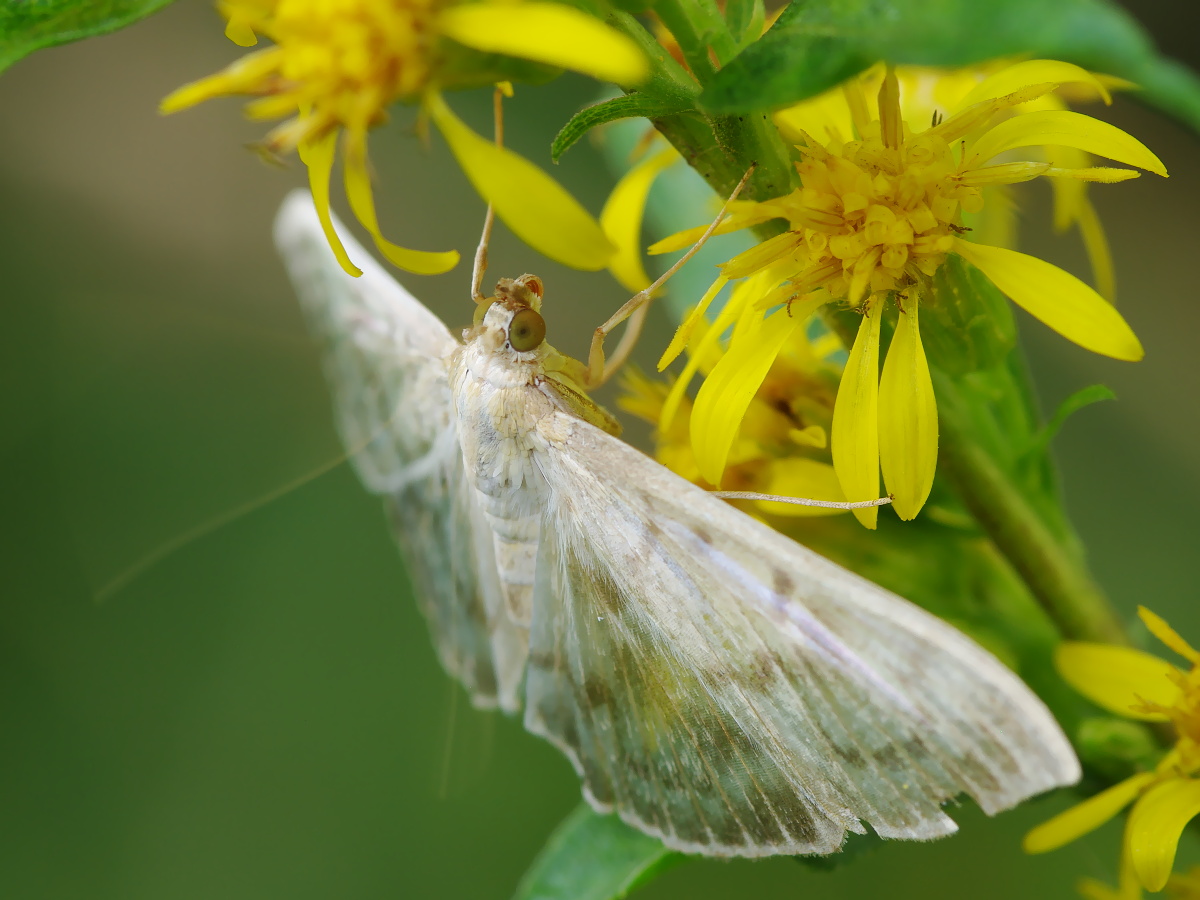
(481, 252)
(209, 526)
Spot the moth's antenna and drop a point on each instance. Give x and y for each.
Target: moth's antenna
(116, 585)
(152, 559)
(481, 252)
(634, 309)
(801, 501)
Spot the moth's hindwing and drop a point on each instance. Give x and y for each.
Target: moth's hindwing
(384, 356)
(734, 693)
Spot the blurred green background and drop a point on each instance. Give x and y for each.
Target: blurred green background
(261, 714)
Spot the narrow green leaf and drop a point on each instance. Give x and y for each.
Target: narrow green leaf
(1084, 397)
(745, 19)
(593, 857)
(814, 45)
(646, 105)
(29, 26)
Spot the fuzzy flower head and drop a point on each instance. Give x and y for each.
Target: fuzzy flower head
(337, 65)
(1139, 686)
(884, 202)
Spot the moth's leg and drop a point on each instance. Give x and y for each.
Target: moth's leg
(634, 309)
(481, 252)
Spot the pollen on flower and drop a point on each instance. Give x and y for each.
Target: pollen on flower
(878, 212)
(334, 63)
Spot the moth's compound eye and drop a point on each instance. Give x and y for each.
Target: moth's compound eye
(526, 331)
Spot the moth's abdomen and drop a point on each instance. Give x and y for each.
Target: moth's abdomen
(515, 541)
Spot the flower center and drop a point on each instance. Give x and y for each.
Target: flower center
(348, 59)
(877, 212)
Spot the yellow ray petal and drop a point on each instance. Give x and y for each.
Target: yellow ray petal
(681, 240)
(706, 347)
(318, 156)
(1032, 71)
(621, 218)
(1117, 678)
(1155, 825)
(762, 255)
(1069, 129)
(358, 192)
(727, 391)
(535, 206)
(908, 424)
(683, 334)
(1160, 629)
(1057, 298)
(1086, 816)
(855, 437)
(549, 33)
(800, 477)
(240, 77)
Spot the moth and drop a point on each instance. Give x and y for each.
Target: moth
(714, 683)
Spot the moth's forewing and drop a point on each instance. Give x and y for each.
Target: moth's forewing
(385, 358)
(715, 683)
(734, 693)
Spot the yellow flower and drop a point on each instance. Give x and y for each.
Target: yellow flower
(882, 205)
(337, 65)
(780, 446)
(1140, 686)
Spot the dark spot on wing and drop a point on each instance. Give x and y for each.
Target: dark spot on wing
(887, 756)
(850, 755)
(782, 583)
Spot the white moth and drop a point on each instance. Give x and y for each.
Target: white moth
(714, 683)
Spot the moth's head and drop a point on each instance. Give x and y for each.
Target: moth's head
(512, 319)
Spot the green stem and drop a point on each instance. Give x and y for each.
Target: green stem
(1052, 572)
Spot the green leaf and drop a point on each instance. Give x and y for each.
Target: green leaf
(745, 19)
(626, 107)
(814, 45)
(28, 26)
(1077, 401)
(593, 857)
(969, 324)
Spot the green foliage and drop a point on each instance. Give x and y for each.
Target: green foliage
(969, 326)
(815, 45)
(1093, 393)
(625, 107)
(593, 857)
(29, 26)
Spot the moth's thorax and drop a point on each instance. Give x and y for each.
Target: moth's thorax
(499, 402)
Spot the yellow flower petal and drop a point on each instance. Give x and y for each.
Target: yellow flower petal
(1069, 129)
(1057, 298)
(1117, 678)
(683, 334)
(238, 77)
(727, 391)
(318, 156)
(855, 438)
(1032, 71)
(1168, 635)
(761, 255)
(531, 203)
(908, 424)
(706, 348)
(1155, 824)
(621, 218)
(549, 33)
(797, 476)
(1086, 816)
(358, 192)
